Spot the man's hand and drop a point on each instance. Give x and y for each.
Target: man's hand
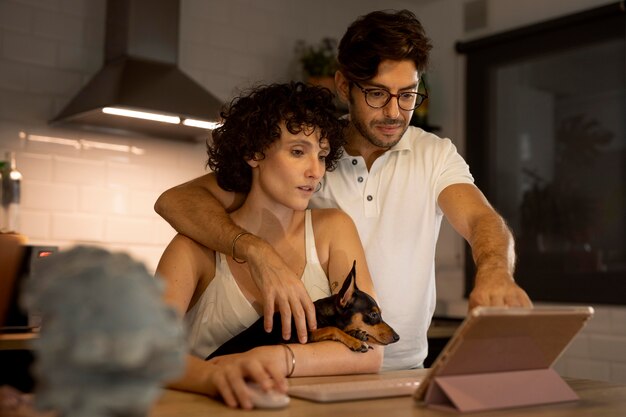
(282, 291)
(497, 289)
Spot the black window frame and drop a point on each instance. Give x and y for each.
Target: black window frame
(594, 25)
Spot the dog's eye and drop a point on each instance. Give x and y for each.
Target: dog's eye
(374, 316)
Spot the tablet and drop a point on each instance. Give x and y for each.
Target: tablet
(498, 340)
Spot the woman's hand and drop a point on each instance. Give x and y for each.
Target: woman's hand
(265, 365)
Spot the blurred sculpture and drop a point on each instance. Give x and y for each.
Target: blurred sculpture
(107, 340)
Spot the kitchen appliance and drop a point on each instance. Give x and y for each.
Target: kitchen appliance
(140, 74)
(24, 262)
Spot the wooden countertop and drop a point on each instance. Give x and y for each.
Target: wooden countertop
(596, 399)
(16, 341)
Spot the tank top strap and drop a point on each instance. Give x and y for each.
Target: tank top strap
(310, 249)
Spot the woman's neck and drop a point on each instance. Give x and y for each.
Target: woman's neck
(268, 221)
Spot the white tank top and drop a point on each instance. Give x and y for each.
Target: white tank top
(223, 311)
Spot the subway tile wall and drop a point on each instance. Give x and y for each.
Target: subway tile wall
(104, 198)
(49, 48)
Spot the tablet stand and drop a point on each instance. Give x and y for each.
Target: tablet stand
(488, 391)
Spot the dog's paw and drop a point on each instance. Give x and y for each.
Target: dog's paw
(360, 347)
(358, 334)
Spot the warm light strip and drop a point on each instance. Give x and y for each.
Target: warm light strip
(89, 144)
(141, 115)
(57, 141)
(201, 124)
(83, 144)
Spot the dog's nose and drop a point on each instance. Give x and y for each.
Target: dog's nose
(396, 337)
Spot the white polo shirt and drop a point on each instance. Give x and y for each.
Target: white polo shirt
(395, 209)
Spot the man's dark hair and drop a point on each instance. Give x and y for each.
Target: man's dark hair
(251, 123)
(382, 35)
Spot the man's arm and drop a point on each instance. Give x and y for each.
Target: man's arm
(493, 250)
(198, 210)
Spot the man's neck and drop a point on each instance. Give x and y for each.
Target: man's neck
(357, 145)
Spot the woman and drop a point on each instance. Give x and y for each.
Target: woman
(273, 149)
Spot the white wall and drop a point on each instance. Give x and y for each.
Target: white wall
(49, 48)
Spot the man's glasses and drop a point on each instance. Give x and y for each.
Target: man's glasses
(379, 97)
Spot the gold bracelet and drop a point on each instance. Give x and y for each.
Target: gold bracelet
(293, 360)
(232, 248)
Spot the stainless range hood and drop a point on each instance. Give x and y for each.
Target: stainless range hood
(140, 73)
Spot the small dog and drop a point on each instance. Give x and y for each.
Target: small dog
(351, 317)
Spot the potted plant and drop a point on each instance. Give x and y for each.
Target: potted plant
(318, 61)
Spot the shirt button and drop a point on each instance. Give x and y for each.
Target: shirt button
(370, 198)
(360, 179)
(354, 162)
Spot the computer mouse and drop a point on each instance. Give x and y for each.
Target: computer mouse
(266, 399)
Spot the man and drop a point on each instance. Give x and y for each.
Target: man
(395, 181)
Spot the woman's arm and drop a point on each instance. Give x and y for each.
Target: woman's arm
(187, 269)
(198, 209)
(338, 245)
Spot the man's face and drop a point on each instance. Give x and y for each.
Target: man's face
(383, 127)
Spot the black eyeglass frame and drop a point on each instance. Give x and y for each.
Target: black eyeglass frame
(418, 103)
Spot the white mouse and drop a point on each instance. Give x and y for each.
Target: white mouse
(269, 399)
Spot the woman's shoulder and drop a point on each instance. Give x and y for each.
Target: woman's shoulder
(185, 249)
(181, 241)
(329, 215)
(331, 223)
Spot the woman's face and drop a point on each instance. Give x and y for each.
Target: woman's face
(292, 168)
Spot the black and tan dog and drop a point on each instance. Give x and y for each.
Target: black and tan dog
(351, 317)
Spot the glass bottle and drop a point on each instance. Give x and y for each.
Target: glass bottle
(11, 192)
(2, 214)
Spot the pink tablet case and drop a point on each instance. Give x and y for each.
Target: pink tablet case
(501, 358)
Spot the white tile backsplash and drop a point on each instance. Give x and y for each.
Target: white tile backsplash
(26, 48)
(16, 16)
(58, 25)
(49, 196)
(618, 321)
(105, 200)
(618, 373)
(25, 108)
(579, 348)
(141, 203)
(128, 229)
(14, 76)
(79, 171)
(76, 58)
(53, 81)
(35, 224)
(77, 227)
(135, 176)
(608, 347)
(585, 368)
(35, 167)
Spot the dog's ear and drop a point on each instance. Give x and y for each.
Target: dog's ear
(348, 287)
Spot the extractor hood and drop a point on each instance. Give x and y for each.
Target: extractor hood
(141, 74)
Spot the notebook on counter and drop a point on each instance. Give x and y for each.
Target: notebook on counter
(508, 347)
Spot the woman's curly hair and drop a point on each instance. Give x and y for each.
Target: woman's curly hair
(251, 123)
